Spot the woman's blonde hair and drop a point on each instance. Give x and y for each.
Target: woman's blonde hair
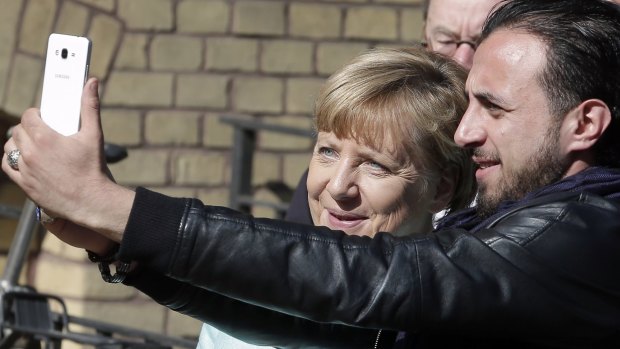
(410, 97)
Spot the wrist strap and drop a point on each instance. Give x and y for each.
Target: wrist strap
(122, 268)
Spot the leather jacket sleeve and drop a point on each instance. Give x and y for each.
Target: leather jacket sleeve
(538, 272)
(250, 323)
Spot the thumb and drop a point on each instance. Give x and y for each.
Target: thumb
(89, 112)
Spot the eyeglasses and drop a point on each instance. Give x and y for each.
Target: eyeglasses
(448, 47)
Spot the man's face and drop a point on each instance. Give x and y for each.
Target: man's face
(508, 123)
(453, 27)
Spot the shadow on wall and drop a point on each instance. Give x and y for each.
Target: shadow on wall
(11, 197)
(6, 121)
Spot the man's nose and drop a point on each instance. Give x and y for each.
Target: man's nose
(470, 132)
(343, 183)
(464, 54)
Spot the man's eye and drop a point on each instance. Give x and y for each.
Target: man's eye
(446, 42)
(490, 106)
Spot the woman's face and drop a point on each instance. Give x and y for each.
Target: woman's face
(362, 190)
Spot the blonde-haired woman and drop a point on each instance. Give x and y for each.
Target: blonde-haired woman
(384, 159)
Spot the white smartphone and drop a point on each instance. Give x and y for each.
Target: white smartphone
(66, 71)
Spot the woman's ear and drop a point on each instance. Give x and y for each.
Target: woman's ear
(584, 125)
(444, 192)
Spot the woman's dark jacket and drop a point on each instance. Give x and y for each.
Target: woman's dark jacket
(543, 273)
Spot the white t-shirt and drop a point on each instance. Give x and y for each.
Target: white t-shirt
(212, 338)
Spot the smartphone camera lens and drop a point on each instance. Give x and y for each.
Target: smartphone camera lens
(64, 53)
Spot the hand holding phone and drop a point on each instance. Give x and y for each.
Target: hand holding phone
(66, 71)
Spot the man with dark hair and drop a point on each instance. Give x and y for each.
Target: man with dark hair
(558, 83)
(535, 265)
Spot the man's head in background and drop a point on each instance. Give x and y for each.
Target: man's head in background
(452, 27)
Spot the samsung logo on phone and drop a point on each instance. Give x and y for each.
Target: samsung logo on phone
(62, 76)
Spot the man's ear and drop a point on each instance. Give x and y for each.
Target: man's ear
(444, 192)
(585, 124)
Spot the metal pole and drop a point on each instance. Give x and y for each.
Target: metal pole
(19, 246)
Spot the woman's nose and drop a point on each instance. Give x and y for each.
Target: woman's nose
(343, 183)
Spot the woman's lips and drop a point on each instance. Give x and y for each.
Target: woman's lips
(339, 220)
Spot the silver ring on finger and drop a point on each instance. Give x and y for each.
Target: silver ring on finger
(13, 159)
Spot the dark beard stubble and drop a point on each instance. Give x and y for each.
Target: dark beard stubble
(545, 167)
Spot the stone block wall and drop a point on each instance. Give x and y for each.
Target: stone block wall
(169, 69)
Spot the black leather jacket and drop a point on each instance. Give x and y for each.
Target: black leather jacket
(543, 275)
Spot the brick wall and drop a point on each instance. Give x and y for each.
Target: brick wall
(169, 69)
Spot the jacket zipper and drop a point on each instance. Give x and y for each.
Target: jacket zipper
(377, 340)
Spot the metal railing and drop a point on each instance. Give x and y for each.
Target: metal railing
(244, 146)
(26, 316)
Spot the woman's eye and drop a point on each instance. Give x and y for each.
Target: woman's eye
(325, 151)
(377, 167)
